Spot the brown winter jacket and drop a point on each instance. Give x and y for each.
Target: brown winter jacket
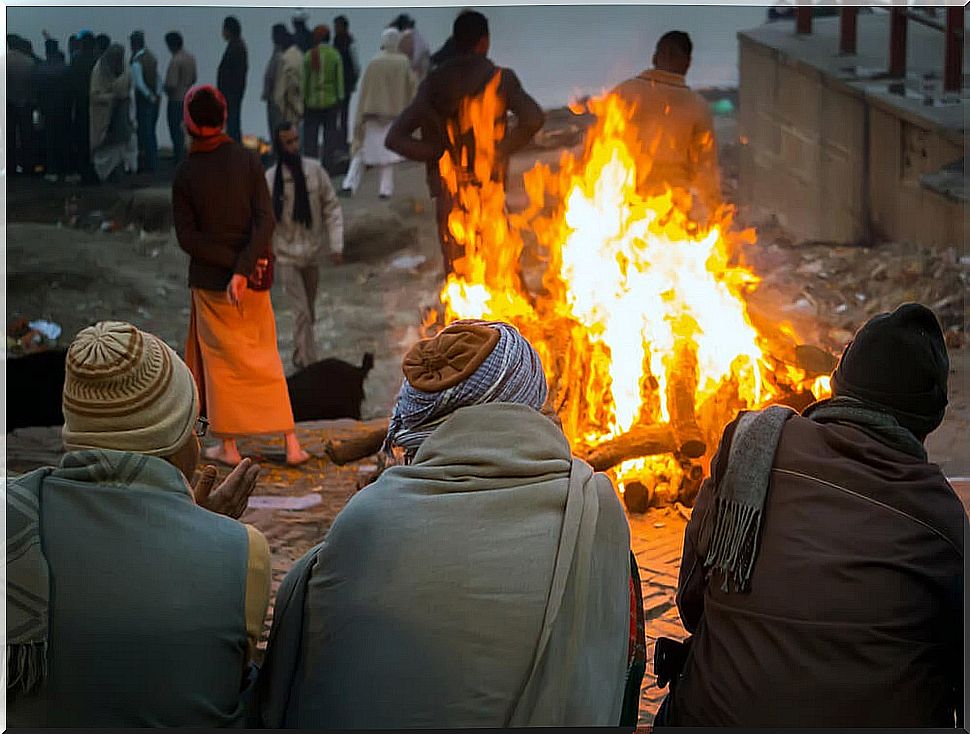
(223, 214)
(438, 100)
(855, 612)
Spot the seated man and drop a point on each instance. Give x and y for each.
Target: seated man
(128, 604)
(483, 583)
(822, 573)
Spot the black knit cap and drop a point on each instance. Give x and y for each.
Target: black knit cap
(898, 362)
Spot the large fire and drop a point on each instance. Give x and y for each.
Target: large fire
(641, 318)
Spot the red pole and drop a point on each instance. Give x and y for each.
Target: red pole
(897, 43)
(953, 59)
(847, 31)
(803, 19)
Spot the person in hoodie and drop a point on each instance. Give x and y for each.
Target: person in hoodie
(437, 105)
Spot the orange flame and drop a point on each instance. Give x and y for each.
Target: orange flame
(635, 295)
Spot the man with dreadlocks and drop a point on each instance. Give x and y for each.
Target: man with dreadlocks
(308, 221)
(490, 570)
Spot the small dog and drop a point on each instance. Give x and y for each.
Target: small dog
(328, 389)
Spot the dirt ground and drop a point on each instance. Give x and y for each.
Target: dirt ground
(78, 275)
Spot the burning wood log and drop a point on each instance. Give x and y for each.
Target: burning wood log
(691, 484)
(368, 443)
(637, 497)
(680, 403)
(637, 442)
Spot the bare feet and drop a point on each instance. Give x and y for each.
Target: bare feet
(295, 455)
(226, 453)
(297, 458)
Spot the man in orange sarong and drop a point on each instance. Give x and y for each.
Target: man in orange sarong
(224, 221)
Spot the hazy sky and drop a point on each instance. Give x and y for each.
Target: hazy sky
(555, 50)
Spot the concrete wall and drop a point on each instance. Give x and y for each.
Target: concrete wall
(902, 209)
(810, 139)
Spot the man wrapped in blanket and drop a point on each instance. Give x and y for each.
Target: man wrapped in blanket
(483, 582)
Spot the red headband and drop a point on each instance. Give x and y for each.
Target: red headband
(195, 130)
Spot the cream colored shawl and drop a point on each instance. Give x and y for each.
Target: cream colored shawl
(486, 584)
(106, 89)
(387, 88)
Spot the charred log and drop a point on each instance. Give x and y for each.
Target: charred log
(368, 443)
(688, 436)
(639, 441)
(637, 497)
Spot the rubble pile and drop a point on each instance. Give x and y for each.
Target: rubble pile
(838, 288)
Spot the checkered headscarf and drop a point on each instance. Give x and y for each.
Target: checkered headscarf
(511, 373)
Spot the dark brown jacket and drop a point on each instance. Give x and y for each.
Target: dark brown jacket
(855, 611)
(231, 75)
(223, 214)
(438, 100)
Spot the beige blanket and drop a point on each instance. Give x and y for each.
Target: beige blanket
(387, 88)
(106, 90)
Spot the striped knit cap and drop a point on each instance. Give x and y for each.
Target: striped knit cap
(126, 390)
(463, 365)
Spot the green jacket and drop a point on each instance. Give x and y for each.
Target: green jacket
(323, 87)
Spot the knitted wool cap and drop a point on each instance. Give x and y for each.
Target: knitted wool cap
(126, 390)
(205, 102)
(898, 361)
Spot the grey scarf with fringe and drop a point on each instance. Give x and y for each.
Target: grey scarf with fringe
(28, 585)
(739, 498)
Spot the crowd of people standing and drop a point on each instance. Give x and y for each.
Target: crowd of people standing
(90, 115)
(485, 577)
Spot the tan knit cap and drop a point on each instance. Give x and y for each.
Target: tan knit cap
(125, 389)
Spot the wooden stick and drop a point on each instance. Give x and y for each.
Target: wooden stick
(639, 441)
(368, 443)
(680, 402)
